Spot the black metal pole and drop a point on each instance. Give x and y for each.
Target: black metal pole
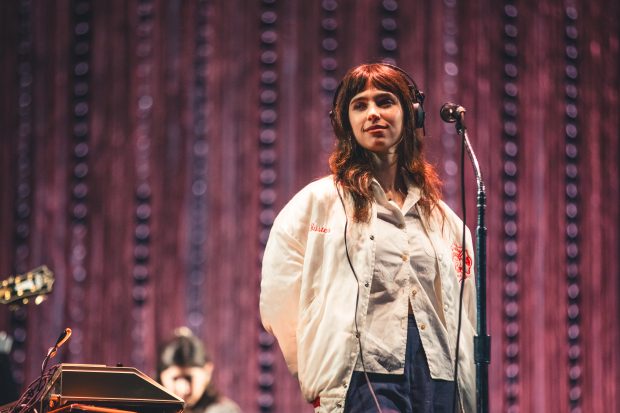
(482, 342)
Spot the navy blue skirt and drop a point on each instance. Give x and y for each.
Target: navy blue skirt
(412, 392)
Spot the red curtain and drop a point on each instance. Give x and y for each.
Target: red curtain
(147, 146)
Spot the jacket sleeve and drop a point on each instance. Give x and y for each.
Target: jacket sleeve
(280, 287)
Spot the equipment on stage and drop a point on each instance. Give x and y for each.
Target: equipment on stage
(84, 408)
(77, 387)
(80, 388)
(92, 388)
(95, 388)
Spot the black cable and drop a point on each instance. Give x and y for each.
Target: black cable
(463, 274)
(33, 393)
(357, 298)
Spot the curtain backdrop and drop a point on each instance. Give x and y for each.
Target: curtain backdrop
(148, 144)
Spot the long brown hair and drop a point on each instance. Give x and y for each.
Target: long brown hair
(351, 164)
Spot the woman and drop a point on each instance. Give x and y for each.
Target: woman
(361, 273)
(185, 368)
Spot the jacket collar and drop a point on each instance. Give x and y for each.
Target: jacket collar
(413, 194)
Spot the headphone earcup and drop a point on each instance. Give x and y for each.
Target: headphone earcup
(419, 115)
(332, 119)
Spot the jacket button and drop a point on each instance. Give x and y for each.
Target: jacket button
(422, 326)
(366, 284)
(372, 237)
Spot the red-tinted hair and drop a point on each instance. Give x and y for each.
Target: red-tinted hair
(351, 164)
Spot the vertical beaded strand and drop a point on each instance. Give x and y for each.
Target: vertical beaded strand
(267, 154)
(329, 80)
(573, 275)
(449, 142)
(81, 55)
(23, 183)
(200, 149)
(389, 31)
(510, 215)
(143, 210)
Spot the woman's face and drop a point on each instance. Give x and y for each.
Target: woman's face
(376, 117)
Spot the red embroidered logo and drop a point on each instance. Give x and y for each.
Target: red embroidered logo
(318, 228)
(457, 259)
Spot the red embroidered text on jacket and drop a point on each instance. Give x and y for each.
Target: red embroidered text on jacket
(457, 259)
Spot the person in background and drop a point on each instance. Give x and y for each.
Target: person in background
(186, 369)
(8, 388)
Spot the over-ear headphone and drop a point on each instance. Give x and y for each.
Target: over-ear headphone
(417, 96)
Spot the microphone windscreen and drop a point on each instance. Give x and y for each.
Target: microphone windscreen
(451, 112)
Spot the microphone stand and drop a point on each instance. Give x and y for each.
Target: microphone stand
(33, 394)
(482, 342)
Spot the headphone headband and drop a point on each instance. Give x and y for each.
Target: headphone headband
(419, 95)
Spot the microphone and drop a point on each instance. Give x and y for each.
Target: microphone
(64, 336)
(451, 112)
(33, 395)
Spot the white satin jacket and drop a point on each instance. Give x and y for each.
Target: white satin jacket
(308, 291)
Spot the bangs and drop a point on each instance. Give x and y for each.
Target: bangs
(378, 77)
(382, 81)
